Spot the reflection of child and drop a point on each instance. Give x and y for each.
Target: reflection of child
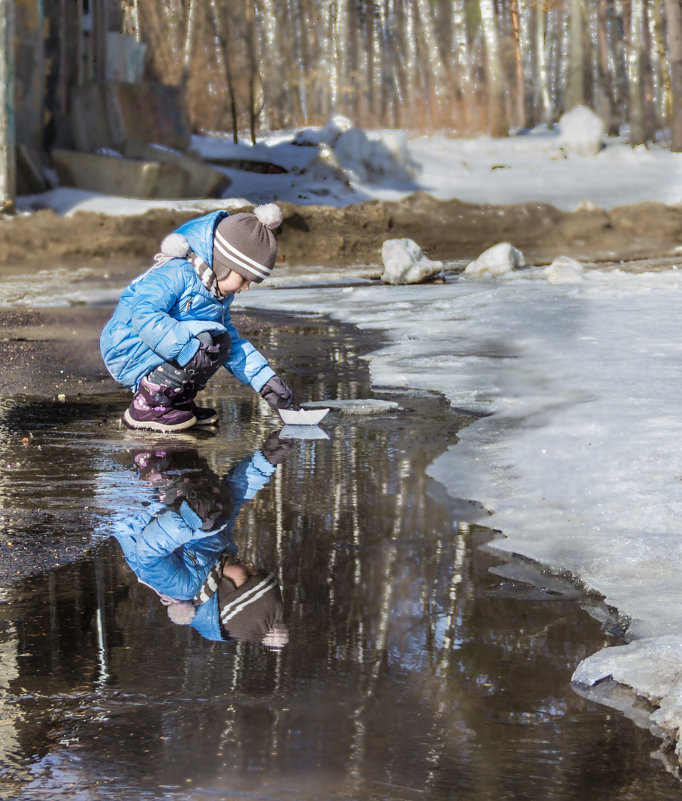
(185, 552)
(172, 330)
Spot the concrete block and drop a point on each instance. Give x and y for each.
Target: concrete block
(120, 176)
(202, 180)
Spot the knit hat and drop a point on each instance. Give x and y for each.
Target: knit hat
(250, 612)
(245, 243)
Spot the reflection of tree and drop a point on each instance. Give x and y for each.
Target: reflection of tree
(410, 667)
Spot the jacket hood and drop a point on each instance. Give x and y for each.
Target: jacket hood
(199, 234)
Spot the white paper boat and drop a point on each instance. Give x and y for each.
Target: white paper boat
(302, 417)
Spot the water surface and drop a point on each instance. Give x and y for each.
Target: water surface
(414, 668)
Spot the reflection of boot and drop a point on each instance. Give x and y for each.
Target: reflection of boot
(154, 407)
(185, 401)
(153, 465)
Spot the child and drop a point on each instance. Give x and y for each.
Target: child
(183, 547)
(172, 329)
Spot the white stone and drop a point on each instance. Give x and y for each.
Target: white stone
(581, 132)
(565, 270)
(405, 263)
(497, 260)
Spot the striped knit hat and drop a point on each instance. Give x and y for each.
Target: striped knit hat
(251, 612)
(245, 243)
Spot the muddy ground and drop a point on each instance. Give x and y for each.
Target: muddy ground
(314, 235)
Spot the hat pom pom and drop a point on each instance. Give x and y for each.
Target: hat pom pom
(270, 215)
(175, 246)
(181, 613)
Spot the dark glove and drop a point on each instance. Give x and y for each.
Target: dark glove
(275, 449)
(277, 393)
(205, 358)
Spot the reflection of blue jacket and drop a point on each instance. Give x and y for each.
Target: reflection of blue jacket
(170, 551)
(161, 312)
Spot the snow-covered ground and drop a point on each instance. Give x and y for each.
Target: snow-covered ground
(540, 166)
(580, 462)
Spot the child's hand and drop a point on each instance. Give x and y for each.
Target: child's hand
(277, 393)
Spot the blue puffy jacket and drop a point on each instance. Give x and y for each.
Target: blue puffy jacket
(170, 552)
(162, 311)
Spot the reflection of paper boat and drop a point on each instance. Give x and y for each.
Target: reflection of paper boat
(302, 432)
(302, 417)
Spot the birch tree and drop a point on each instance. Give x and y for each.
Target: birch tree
(575, 91)
(497, 122)
(520, 88)
(543, 96)
(674, 19)
(635, 73)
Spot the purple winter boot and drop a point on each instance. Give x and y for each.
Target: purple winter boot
(154, 407)
(185, 400)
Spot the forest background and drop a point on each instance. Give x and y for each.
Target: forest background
(461, 66)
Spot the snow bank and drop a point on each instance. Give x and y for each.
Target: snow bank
(340, 164)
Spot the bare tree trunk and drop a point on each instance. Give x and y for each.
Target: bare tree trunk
(575, 91)
(605, 105)
(413, 76)
(648, 77)
(296, 72)
(635, 74)
(187, 49)
(664, 89)
(7, 128)
(461, 65)
(674, 19)
(520, 99)
(254, 76)
(138, 31)
(497, 122)
(620, 68)
(222, 57)
(271, 53)
(543, 95)
(439, 77)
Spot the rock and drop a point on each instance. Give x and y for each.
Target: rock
(497, 260)
(405, 263)
(581, 132)
(565, 270)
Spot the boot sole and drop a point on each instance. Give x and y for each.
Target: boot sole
(208, 421)
(150, 425)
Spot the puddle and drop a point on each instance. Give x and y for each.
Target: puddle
(415, 666)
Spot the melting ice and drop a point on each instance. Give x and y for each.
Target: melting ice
(580, 461)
